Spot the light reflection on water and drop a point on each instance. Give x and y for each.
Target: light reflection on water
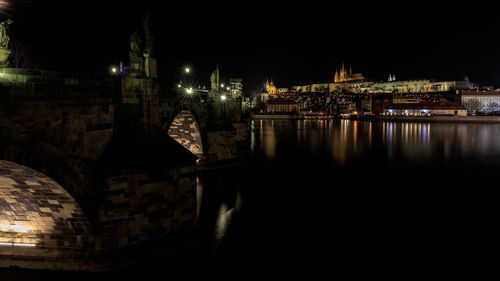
(225, 216)
(346, 139)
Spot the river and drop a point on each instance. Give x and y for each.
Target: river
(334, 197)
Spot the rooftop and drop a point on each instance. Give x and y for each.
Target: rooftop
(480, 93)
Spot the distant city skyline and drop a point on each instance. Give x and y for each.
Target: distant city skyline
(293, 45)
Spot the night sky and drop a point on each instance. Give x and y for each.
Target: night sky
(290, 43)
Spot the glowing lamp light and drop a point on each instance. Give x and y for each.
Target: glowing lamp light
(222, 85)
(178, 85)
(114, 70)
(15, 228)
(187, 70)
(223, 97)
(189, 91)
(17, 244)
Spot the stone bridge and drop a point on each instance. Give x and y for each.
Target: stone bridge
(91, 167)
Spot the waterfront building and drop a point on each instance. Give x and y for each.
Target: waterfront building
(426, 108)
(481, 101)
(376, 103)
(282, 105)
(346, 107)
(263, 97)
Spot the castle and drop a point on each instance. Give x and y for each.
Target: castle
(343, 76)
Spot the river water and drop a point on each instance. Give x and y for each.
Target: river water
(333, 197)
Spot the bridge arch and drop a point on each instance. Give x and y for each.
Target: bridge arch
(38, 217)
(185, 129)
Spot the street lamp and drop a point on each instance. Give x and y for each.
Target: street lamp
(223, 97)
(189, 91)
(113, 69)
(187, 70)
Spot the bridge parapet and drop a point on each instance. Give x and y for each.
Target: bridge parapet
(75, 115)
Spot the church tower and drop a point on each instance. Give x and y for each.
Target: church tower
(342, 74)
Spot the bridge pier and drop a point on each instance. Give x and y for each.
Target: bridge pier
(106, 143)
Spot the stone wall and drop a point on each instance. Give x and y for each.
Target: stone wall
(138, 207)
(241, 131)
(220, 146)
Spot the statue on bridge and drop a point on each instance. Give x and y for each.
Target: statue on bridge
(4, 42)
(214, 80)
(136, 53)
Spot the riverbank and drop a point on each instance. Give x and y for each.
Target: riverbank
(275, 116)
(428, 119)
(290, 116)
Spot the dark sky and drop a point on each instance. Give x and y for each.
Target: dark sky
(292, 43)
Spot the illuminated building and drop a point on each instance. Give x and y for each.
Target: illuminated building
(365, 87)
(426, 108)
(270, 88)
(282, 105)
(481, 101)
(343, 76)
(236, 87)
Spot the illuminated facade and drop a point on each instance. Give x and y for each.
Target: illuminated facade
(481, 101)
(37, 212)
(426, 108)
(343, 76)
(270, 88)
(282, 105)
(365, 87)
